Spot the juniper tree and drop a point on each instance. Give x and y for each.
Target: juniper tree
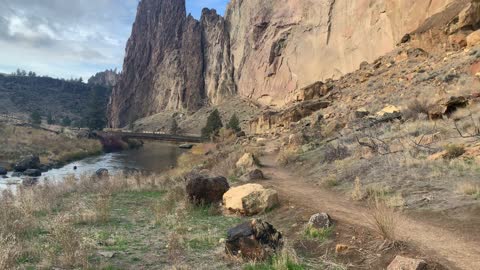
(234, 123)
(213, 126)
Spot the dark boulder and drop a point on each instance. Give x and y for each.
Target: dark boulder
(241, 134)
(254, 240)
(101, 173)
(33, 172)
(3, 171)
(27, 162)
(256, 175)
(202, 189)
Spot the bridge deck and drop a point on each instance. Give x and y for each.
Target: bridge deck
(155, 136)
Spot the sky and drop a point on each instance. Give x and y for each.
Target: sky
(71, 38)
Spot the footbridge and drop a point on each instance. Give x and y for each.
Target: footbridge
(151, 136)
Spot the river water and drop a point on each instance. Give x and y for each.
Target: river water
(153, 157)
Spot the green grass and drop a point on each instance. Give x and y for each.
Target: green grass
(276, 263)
(318, 234)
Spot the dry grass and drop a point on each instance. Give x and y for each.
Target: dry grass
(357, 192)
(20, 141)
(9, 252)
(384, 220)
(69, 248)
(288, 155)
(469, 188)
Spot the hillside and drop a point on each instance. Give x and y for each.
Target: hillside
(22, 95)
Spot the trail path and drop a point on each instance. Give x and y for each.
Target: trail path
(446, 244)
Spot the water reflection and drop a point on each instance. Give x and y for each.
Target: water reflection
(154, 157)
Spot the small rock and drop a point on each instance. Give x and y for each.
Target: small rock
(107, 254)
(3, 171)
(403, 263)
(186, 146)
(255, 240)
(320, 221)
(361, 113)
(250, 199)
(341, 248)
(406, 38)
(202, 189)
(33, 173)
(17, 174)
(390, 109)
(256, 175)
(101, 173)
(241, 134)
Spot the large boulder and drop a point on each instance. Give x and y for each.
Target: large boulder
(3, 171)
(202, 189)
(27, 162)
(403, 263)
(254, 240)
(250, 199)
(33, 172)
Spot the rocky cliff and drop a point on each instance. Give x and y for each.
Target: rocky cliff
(266, 50)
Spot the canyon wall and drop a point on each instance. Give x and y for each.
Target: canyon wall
(265, 50)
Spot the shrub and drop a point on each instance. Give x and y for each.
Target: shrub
(469, 188)
(384, 220)
(416, 108)
(333, 153)
(234, 123)
(454, 151)
(213, 126)
(319, 234)
(35, 118)
(174, 127)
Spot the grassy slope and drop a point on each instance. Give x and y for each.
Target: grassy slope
(19, 141)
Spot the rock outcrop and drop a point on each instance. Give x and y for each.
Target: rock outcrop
(172, 63)
(271, 51)
(107, 78)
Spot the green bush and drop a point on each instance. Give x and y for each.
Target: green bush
(213, 126)
(234, 123)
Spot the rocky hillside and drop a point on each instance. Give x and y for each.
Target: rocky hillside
(107, 78)
(265, 50)
(22, 95)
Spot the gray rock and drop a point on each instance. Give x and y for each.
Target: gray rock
(186, 146)
(320, 221)
(3, 171)
(256, 174)
(33, 173)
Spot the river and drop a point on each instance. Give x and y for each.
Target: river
(153, 157)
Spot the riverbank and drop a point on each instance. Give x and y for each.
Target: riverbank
(145, 221)
(53, 149)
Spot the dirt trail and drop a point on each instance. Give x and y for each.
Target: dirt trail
(441, 243)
